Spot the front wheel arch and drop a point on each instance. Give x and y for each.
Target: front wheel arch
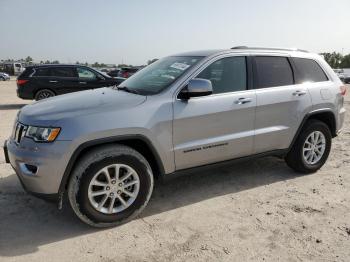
(148, 151)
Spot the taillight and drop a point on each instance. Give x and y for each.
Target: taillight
(21, 81)
(343, 90)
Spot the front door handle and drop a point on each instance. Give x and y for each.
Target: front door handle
(243, 100)
(83, 83)
(299, 93)
(53, 81)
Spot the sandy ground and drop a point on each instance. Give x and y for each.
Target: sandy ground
(252, 211)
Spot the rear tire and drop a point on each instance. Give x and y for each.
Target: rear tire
(43, 94)
(311, 148)
(118, 202)
(2, 78)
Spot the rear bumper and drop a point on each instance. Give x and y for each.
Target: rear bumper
(25, 93)
(341, 117)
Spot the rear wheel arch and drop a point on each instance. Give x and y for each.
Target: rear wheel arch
(325, 116)
(137, 142)
(328, 118)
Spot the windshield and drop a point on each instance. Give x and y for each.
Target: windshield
(159, 75)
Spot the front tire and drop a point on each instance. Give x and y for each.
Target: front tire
(110, 186)
(311, 149)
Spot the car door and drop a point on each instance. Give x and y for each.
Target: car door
(220, 126)
(64, 78)
(281, 104)
(42, 78)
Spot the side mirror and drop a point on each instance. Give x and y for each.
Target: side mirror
(196, 87)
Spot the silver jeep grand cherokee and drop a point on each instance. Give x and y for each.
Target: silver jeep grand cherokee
(104, 147)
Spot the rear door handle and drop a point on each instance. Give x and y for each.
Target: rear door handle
(82, 83)
(53, 81)
(299, 93)
(243, 100)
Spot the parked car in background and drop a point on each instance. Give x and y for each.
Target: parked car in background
(114, 73)
(43, 81)
(344, 77)
(126, 72)
(12, 68)
(4, 76)
(103, 148)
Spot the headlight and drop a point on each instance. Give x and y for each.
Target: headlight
(43, 134)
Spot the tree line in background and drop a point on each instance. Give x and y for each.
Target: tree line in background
(335, 60)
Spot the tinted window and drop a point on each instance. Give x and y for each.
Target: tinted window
(63, 72)
(308, 71)
(85, 73)
(42, 72)
(226, 75)
(273, 71)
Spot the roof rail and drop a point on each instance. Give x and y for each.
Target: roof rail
(269, 48)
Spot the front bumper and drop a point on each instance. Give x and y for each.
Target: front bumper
(39, 166)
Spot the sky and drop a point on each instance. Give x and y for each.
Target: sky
(132, 32)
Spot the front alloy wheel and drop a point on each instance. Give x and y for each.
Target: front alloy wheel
(114, 188)
(110, 185)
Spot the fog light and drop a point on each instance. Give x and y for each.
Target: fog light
(31, 168)
(27, 169)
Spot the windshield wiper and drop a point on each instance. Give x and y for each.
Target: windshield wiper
(126, 89)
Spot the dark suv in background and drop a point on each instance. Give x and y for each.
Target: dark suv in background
(126, 72)
(43, 81)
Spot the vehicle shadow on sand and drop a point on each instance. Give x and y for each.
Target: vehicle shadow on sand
(27, 223)
(12, 106)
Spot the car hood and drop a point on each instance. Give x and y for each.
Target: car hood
(77, 104)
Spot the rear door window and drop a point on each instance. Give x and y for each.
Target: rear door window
(308, 70)
(271, 71)
(63, 72)
(42, 72)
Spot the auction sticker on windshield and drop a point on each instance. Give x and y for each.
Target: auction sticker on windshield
(180, 66)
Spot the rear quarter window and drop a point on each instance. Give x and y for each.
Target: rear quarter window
(308, 70)
(27, 72)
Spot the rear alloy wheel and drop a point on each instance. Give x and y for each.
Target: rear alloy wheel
(43, 94)
(311, 149)
(2, 78)
(314, 147)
